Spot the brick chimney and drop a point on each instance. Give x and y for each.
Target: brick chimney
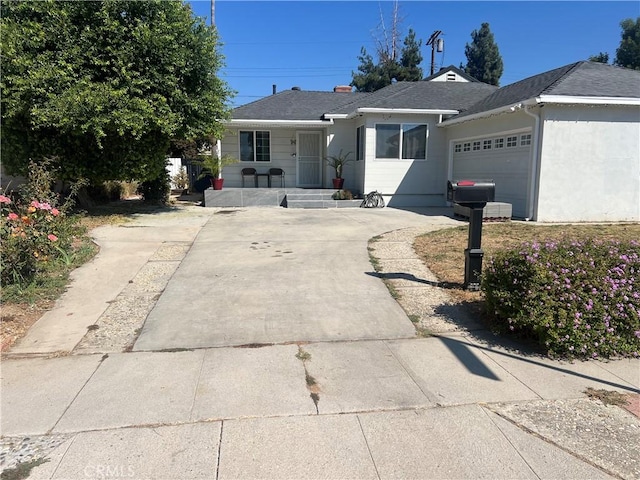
(342, 89)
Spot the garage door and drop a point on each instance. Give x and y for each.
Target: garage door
(505, 159)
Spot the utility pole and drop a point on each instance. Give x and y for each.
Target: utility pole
(213, 12)
(435, 42)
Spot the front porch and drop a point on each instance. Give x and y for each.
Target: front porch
(275, 197)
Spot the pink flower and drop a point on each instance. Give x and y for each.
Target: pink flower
(12, 216)
(52, 237)
(44, 206)
(35, 204)
(4, 199)
(55, 212)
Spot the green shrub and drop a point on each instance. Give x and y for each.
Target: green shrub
(575, 298)
(156, 190)
(342, 195)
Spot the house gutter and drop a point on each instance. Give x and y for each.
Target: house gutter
(535, 156)
(556, 99)
(278, 123)
(562, 99)
(390, 111)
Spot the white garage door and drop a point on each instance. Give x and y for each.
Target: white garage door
(504, 159)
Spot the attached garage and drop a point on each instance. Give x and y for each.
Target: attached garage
(504, 158)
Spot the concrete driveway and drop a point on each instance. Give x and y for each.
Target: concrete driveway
(273, 275)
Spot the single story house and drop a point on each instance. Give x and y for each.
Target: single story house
(561, 146)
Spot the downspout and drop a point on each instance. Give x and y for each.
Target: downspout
(535, 161)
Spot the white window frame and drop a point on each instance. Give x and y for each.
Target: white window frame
(400, 140)
(486, 144)
(466, 147)
(525, 139)
(255, 148)
(476, 145)
(512, 141)
(457, 148)
(498, 143)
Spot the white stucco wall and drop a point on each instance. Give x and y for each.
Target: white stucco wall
(342, 136)
(590, 164)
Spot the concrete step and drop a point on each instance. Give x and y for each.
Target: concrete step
(323, 203)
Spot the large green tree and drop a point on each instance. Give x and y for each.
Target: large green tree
(101, 87)
(373, 76)
(628, 53)
(484, 61)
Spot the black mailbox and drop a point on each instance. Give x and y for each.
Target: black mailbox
(471, 191)
(473, 194)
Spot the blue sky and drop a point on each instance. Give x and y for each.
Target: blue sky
(315, 44)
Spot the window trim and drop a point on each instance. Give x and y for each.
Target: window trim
(400, 140)
(360, 142)
(255, 149)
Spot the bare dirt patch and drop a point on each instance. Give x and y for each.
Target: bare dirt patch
(16, 319)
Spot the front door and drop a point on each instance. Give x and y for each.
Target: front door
(309, 157)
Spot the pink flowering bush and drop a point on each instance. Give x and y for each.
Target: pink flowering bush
(575, 298)
(35, 232)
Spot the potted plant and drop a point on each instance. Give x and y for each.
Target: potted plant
(212, 166)
(337, 162)
(181, 181)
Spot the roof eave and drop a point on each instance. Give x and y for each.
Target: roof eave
(241, 122)
(486, 114)
(408, 111)
(572, 100)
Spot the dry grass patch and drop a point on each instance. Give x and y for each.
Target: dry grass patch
(443, 250)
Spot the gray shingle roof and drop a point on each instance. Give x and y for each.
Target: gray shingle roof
(422, 95)
(294, 105)
(581, 79)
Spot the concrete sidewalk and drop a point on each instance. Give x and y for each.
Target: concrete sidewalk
(307, 367)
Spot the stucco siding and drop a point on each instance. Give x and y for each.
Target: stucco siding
(342, 136)
(590, 164)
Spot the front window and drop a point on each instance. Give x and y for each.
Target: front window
(255, 146)
(401, 141)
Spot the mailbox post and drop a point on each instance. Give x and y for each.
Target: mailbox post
(473, 194)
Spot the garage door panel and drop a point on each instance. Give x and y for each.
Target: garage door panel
(508, 167)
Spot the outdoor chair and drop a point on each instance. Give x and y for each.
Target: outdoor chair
(249, 172)
(276, 172)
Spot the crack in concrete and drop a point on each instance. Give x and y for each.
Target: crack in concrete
(310, 381)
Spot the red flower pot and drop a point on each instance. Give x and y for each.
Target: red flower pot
(217, 183)
(338, 183)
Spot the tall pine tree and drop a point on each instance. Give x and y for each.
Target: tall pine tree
(483, 57)
(374, 76)
(628, 53)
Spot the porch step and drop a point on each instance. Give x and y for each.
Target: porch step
(322, 203)
(267, 197)
(317, 199)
